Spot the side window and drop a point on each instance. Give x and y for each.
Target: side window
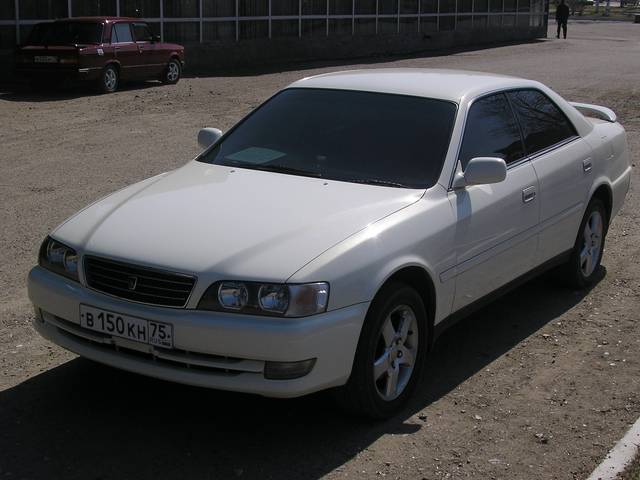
(543, 123)
(142, 33)
(491, 131)
(121, 33)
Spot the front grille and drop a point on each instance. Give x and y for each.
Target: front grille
(140, 284)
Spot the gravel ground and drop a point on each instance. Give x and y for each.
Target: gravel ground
(541, 384)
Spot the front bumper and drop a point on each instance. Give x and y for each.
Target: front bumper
(211, 349)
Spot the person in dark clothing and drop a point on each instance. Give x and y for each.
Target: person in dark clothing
(562, 15)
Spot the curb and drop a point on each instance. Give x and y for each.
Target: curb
(620, 456)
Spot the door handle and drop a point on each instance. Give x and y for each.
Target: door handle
(586, 165)
(528, 194)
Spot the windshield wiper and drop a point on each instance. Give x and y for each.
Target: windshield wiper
(384, 183)
(278, 169)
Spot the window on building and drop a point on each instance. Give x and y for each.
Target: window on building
(182, 32)
(340, 7)
(43, 9)
(408, 25)
(219, 31)
(365, 7)
(284, 28)
(219, 8)
(491, 131)
(88, 8)
(284, 7)
(7, 36)
(140, 8)
(7, 11)
(409, 6)
(253, 8)
(465, 6)
(314, 7)
(254, 29)
(365, 26)
(340, 26)
(388, 7)
(181, 9)
(428, 6)
(314, 27)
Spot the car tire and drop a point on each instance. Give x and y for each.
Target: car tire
(583, 266)
(386, 358)
(172, 72)
(109, 79)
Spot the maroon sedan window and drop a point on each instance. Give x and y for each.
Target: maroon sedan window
(121, 33)
(142, 33)
(66, 33)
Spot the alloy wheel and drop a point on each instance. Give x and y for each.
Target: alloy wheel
(110, 79)
(173, 72)
(591, 243)
(396, 352)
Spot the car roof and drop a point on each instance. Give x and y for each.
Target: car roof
(451, 85)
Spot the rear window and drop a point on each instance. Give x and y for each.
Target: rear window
(352, 136)
(543, 123)
(66, 33)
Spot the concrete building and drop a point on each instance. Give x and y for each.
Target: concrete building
(226, 33)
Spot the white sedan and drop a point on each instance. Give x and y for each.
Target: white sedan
(329, 237)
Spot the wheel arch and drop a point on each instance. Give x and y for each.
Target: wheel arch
(604, 193)
(419, 278)
(113, 63)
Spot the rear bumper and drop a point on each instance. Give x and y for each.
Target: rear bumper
(214, 350)
(56, 73)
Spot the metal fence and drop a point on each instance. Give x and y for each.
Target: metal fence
(203, 21)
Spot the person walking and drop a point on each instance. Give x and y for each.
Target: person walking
(562, 16)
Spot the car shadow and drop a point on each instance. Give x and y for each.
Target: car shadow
(81, 420)
(22, 92)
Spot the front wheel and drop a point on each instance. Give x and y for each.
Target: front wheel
(172, 73)
(389, 356)
(583, 267)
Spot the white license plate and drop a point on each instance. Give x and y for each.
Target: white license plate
(45, 59)
(137, 329)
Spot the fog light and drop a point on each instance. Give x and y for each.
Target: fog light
(288, 370)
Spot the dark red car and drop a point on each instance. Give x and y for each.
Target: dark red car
(104, 50)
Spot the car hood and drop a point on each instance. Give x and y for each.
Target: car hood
(221, 222)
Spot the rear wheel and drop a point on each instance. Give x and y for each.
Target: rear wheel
(172, 73)
(583, 267)
(389, 356)
(109, 79)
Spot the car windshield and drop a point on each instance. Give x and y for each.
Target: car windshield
(65, 33)
(352, 136)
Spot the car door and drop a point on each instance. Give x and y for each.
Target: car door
(150, 53)
(495, 233)
(562, 161)
(126, 51)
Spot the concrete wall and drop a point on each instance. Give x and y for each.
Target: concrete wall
(251, 53)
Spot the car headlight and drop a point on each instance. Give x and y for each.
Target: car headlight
(273, 299)
(58, 258)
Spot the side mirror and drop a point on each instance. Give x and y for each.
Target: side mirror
(208, 136)
(155, 38)
(481, 171)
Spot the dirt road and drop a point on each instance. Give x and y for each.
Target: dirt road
(538, 385)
